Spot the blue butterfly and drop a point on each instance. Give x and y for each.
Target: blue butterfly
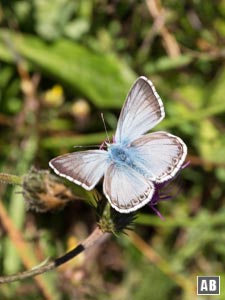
(134, 163)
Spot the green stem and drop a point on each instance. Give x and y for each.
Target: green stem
(11, 179)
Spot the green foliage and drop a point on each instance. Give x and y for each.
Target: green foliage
(102, 78)
(85, 55)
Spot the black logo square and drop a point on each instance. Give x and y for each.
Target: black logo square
(208, 285)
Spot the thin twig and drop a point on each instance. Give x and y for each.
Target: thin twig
(96, 236)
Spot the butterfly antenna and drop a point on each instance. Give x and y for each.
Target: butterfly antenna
(86, 146)
(105, 128)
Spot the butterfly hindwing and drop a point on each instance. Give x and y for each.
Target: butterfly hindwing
(84, 168)
(160, 155)
(142, 110)
(126, 189)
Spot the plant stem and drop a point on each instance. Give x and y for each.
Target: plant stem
(96, 236)
(11, 179)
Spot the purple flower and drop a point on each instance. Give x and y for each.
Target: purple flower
(166, 191)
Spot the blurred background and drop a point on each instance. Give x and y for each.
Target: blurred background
(62, 64)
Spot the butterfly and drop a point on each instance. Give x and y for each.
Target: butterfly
(135, 162)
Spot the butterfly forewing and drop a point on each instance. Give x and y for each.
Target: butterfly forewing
(83, 168)
(126, 189)
(160, 155)
(143, 109)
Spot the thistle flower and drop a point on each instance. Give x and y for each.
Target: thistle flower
(44, 192)
(166, 191)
